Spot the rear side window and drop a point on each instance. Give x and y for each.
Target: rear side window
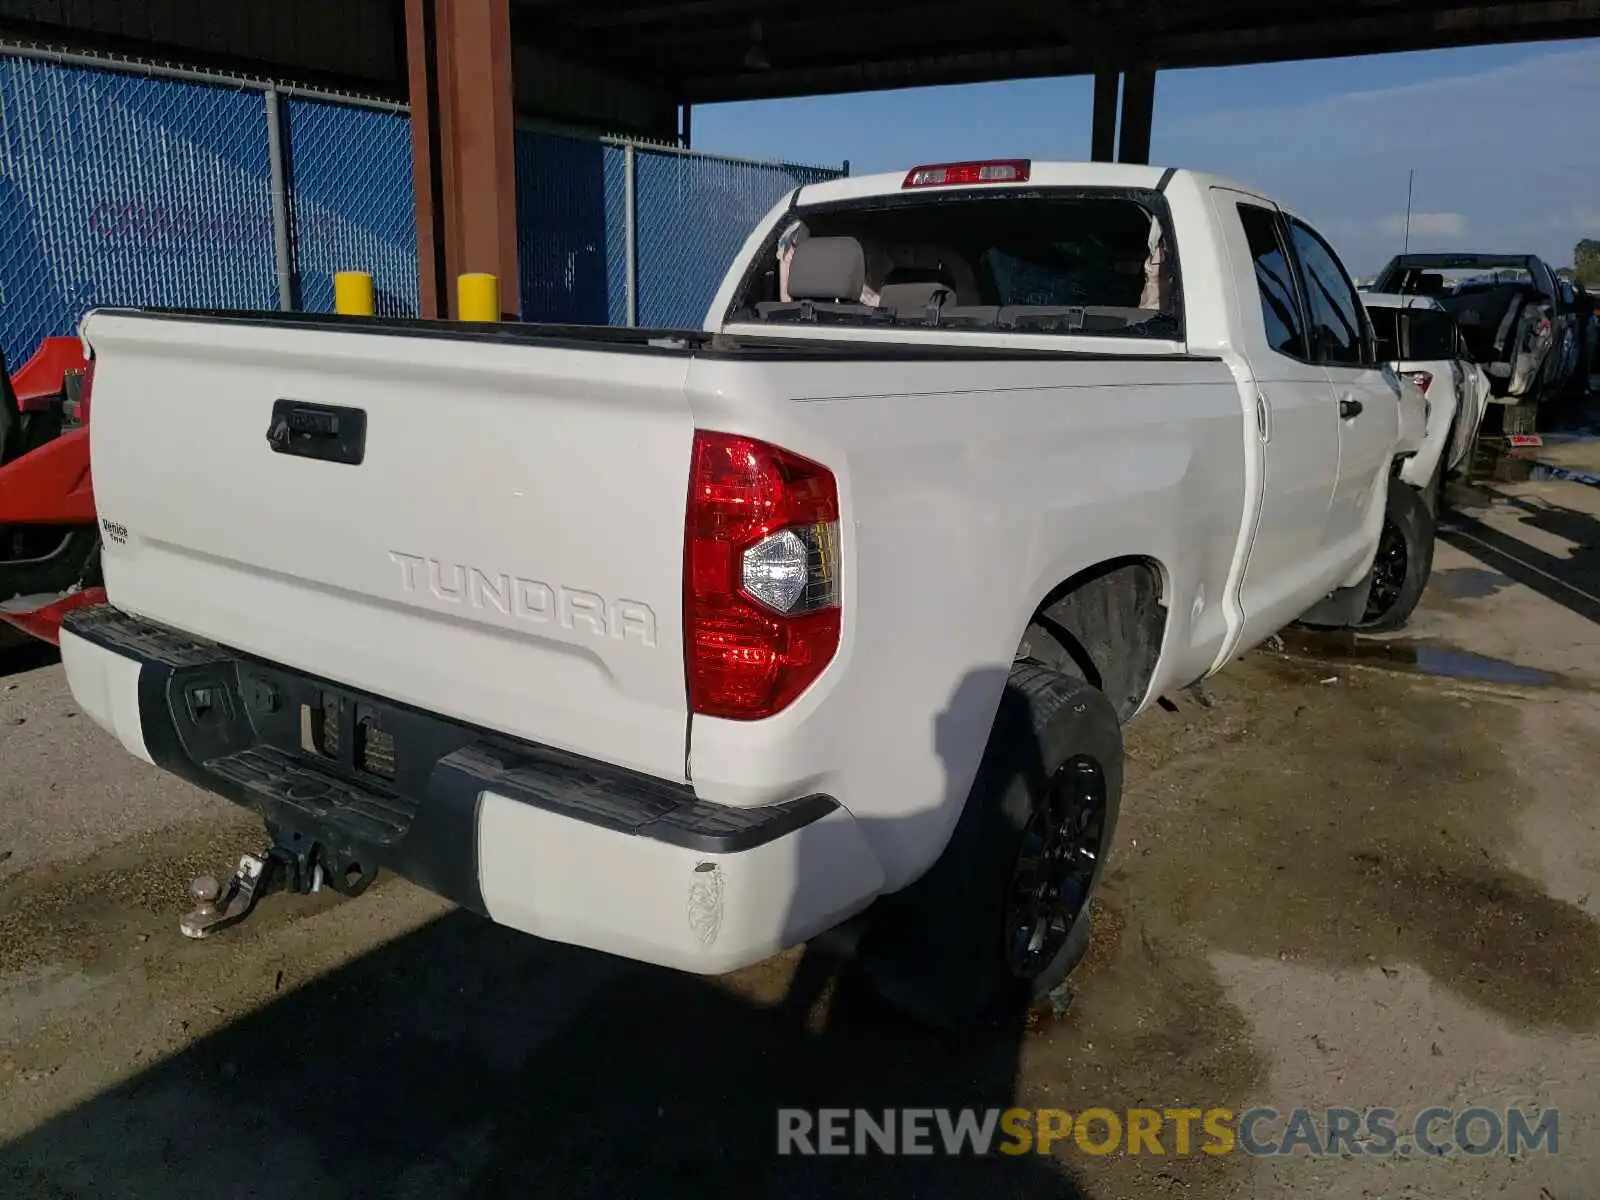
(1414, 334)
(1430, 336)
(1092, 262)
(1386, 330)
(1337, 317)
(1280, 306)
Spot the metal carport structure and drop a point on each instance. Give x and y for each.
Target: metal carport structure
(469, 68)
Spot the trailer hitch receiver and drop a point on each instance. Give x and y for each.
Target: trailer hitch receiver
(288, 864)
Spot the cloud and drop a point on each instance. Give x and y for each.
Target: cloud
(1459, 111)
(1423, 224)
(1498, 167)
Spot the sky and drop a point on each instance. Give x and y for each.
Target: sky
(1504, 140)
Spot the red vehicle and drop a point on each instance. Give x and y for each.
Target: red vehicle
(49, 541)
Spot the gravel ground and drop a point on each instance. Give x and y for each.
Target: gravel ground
(1344, 881)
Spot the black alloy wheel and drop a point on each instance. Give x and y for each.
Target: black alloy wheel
(1060, 850)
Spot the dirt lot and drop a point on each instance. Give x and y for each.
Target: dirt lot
(1363, 875)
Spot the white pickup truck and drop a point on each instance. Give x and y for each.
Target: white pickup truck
(692, 645)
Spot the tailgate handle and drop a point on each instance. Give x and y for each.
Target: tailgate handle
(321, 431)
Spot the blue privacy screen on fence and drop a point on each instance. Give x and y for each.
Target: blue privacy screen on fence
(351, 204)
(572, 252)
(140, 189)
(692, 214)
(695, 212)
(117, 189)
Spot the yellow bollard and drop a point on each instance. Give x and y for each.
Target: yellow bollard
(352, 293)
(478, 297)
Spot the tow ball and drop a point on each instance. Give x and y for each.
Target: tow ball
(290, 863)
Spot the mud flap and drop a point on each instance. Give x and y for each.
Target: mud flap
(1343, 608)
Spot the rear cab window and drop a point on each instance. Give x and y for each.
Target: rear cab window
(1414, 334)
(1096, 262)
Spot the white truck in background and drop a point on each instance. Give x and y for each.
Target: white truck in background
(1518, 319)
(1422, 344)
(693, 645)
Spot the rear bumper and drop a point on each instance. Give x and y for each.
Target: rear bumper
(534, 838)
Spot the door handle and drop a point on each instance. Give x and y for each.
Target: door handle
(1349, 408)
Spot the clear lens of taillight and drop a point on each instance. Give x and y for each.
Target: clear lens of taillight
(1423, 380)
(761, 576)
(795, 570)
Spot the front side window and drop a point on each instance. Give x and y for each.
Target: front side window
(1280, 306)
(1338, 329)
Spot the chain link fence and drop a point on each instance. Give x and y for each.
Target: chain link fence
(572, 231)
(141, 185)
(119, 190)
(694, 213)
(588, 255)
(351, 203)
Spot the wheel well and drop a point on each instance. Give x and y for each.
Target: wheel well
(1104, 625)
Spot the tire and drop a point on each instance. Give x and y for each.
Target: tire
(1519, 418)
(958, 946)
(1403, 563)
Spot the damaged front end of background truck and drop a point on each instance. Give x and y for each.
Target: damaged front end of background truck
(49, 542)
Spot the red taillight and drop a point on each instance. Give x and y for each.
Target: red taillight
(761, 576)
(1423, 380)
(1011, 170)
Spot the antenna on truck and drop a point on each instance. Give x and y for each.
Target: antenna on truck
(1411, 179)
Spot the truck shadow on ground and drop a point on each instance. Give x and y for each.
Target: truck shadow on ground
(432, 1067)
(1352, 827)
(1572, 581)
(467, 1059)
(1377, 831)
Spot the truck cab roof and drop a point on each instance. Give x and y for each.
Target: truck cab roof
(1040, 174)
(1397, 300)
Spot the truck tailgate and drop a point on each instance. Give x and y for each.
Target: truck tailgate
(489, 528)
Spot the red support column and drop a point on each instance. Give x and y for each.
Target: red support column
(463, 166)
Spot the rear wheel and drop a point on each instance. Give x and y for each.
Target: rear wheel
(1003, 916)
(1403, 563)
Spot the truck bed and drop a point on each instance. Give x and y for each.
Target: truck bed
(495, 534)
(824, 342)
